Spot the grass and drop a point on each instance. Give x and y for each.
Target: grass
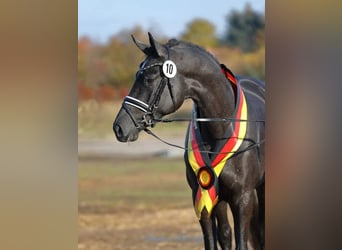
(136, 204)
(105, 185)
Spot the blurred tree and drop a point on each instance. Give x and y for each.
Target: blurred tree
(245, 29)
(84, 47)
(124, 35)
(122, 57)
(108, 70)
(200, 32)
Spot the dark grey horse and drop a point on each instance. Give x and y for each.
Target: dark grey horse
(224, 153)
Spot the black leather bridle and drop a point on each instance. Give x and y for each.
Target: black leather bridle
(148, 119)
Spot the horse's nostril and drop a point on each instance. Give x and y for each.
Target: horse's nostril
(118, 131)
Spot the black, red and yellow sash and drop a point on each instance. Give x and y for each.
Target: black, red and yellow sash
(208, 170)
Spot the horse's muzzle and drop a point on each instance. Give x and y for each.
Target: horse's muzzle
(125, 133)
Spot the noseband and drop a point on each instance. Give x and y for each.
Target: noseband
(149, 119)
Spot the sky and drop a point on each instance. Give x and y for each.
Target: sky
(100, 20)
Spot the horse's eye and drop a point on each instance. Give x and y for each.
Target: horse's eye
(151, 78)
(152, 74)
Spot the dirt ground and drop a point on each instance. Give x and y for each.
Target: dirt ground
(163, 229)
(136, 204)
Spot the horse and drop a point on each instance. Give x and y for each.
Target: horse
(224, 145)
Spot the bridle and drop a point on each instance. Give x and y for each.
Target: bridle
(149, 117)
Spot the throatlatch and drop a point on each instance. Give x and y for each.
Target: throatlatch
(208, 170)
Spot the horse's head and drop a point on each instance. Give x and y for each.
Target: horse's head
(156, 91)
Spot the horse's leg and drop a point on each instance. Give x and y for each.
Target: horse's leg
(208, 225)
(261, 215)
(223, 227)
(242, 209)
(255, 236)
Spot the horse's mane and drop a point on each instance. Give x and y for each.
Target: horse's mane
(182, 44)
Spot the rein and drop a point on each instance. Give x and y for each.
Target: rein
(252, 145)
(206, 120)
(151, 123)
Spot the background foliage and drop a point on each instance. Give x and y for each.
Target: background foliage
(245, 29)
(106, 71)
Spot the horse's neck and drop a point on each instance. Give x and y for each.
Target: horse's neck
(214, 98)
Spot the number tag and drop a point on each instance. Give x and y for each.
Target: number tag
(169, 69)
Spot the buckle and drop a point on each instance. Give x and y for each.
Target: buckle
(148, 120)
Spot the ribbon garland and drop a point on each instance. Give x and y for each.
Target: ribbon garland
(208, 171)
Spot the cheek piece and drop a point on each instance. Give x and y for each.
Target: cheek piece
(169, 70)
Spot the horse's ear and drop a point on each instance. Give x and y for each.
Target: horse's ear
(156, 46)
(143, 47)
